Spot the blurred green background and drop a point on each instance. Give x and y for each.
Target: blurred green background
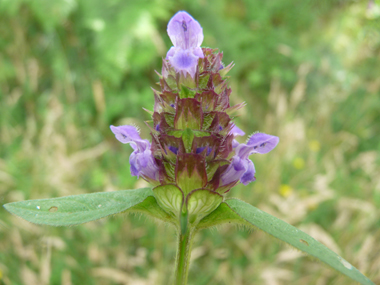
(309, 72)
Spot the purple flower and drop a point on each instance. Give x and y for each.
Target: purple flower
(249, 174)
(186, 35)
(257, 143)
(143, 163)
(241, 167)
(235, 170)
(236, 132)
(141, 159)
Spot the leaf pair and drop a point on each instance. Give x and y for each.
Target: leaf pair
(77, 209)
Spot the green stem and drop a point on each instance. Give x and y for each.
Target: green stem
(183, 256)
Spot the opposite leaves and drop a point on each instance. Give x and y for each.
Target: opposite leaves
(77, 209)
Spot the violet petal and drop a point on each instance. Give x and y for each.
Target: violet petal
(185, 61)
(235, 170)
(249, 175)
(184, 31)
(236, 131)
(129, 134)
(263, 143)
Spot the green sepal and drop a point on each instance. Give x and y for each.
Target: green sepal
(169, 118)
(223, 72)
(188, 114)
(213, 166)
(190, 172)
(231, 110)
(207, 120)
(175, 133)
(186, 92)
(187, 80)
(170, 81)
(201, 134)
(239, 212)
(187, 138)
(179, 133)
(169, 168)
(78, 209)
(170, 198)
(203, 80)
(202, 202)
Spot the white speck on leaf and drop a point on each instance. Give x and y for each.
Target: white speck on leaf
(345, 263)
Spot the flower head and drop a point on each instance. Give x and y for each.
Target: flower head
(194, 157)
(186, 35)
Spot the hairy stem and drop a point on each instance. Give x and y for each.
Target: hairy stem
(183, 256)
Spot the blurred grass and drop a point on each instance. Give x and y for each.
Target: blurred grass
(309, 71)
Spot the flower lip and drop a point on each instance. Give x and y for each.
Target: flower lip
(183, 59)
(184, 31)
(263, 143)
(130, 134)
(257, 143)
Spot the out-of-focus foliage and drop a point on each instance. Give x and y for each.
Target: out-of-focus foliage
(309, 72)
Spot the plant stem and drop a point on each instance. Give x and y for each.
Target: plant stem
(183, 256)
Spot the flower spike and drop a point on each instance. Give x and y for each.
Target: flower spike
(194, 138)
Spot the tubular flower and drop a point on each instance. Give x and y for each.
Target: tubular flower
(194, 152)
(142, 161)
(187, 36)
(241, 168)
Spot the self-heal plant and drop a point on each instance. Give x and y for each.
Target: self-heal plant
(192, 161)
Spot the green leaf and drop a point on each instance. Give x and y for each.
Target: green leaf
(78, 209)
(237, 211)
